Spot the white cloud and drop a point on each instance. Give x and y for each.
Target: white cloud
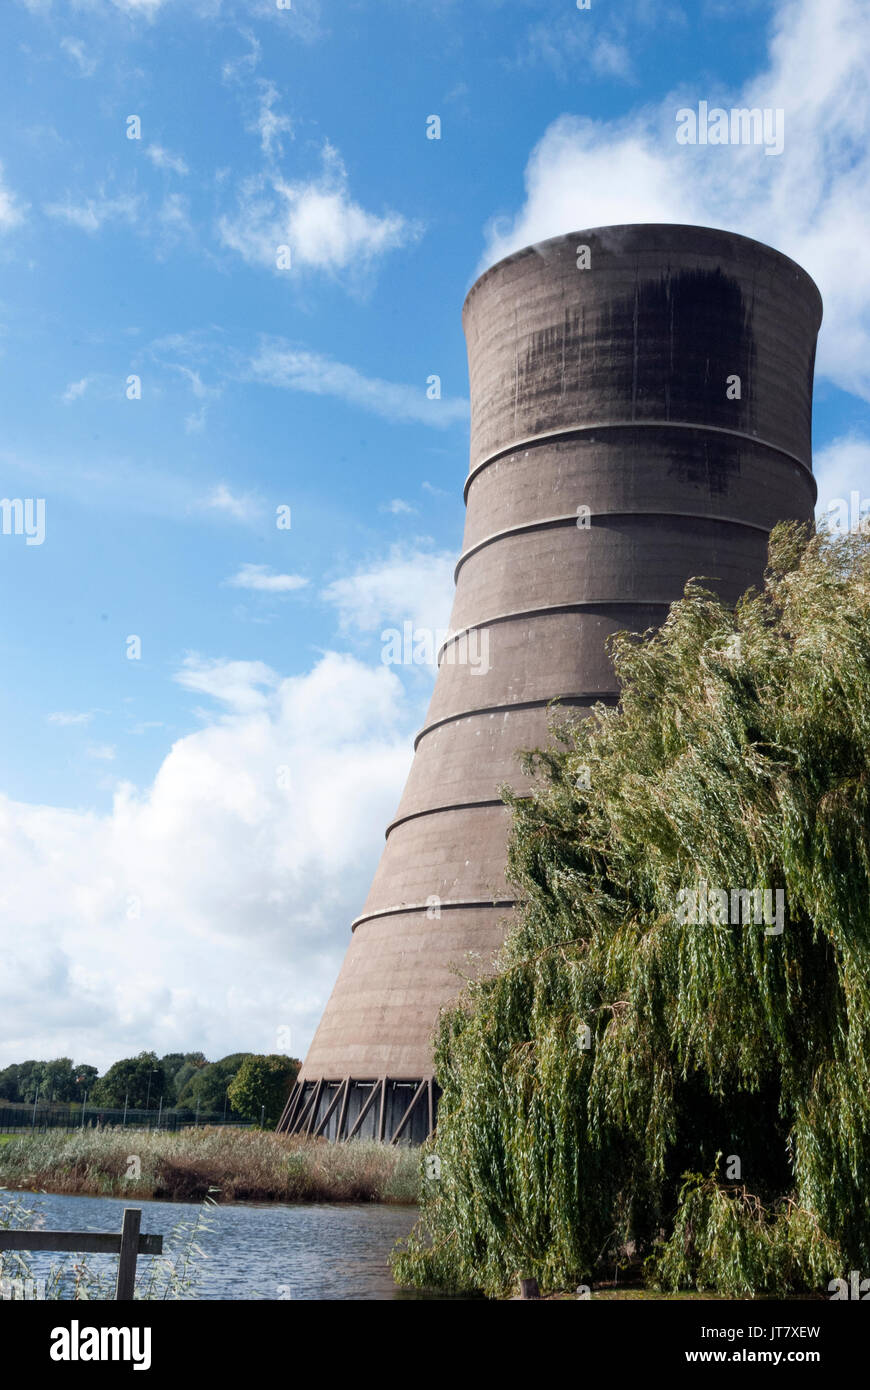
(235, 68)
(399, 507)
(570, 44)
(318, 219)
(278, 364)
(841, 468)
(148, 8)
(103, 752)
(269, 124)
(66, 719)
(164, 159)
(411, 584)
(86, 64)
(197, 385)
(811, 202)
(239, 506)
(75, 390)
(241, 685)
(172, 223)
(11, 209)
(90, 214)
(213, 907)
(260, 579)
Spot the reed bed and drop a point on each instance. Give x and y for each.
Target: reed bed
(242, 1165)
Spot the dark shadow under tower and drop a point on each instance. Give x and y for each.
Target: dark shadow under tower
(654, 382)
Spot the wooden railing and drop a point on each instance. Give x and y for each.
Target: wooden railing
(128, 1244)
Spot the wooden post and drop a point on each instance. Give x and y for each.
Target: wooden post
(529, 1288)
(129, 1250)
(343, 1112)
(407, 1115)
(127, 1245)
(314, 1104)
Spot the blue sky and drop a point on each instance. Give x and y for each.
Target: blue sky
(185, 837)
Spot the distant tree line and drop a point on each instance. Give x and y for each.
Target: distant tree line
(243, 1084)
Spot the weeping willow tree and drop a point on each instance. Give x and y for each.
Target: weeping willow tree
(671, 1059)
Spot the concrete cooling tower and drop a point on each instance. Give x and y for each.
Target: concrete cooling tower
(641, 402)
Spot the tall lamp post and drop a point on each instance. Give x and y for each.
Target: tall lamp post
(148, 1092)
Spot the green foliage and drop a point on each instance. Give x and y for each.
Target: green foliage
(262, 1085)
(20, 1081)
(739, 757)
(178, 1067)
(207, 1084)
(57, 1081)
(724, 1239)
(139, 1081)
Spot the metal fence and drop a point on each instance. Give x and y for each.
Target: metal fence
(14, 1119)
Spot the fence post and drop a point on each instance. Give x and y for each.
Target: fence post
(129, 1250)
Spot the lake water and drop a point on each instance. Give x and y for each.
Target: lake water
(269, 1252)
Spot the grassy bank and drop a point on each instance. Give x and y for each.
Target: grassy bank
(244, 1165)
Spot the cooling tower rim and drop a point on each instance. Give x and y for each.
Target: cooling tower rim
(628, 228)
(578, 432)
(449, 904)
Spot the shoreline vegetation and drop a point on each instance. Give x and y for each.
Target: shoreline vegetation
(186, 1166)
(693, 1087)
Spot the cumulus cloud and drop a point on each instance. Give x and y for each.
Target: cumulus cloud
(241, 685)
(279, 364)
(410, 585)
(811, 202)
(261, 579)
(324, 228)
(213, 907)
(841, 468)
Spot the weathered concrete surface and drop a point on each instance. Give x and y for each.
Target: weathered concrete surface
(602, 389)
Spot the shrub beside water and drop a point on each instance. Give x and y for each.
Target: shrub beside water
(621, 1047)
(244, 1165)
